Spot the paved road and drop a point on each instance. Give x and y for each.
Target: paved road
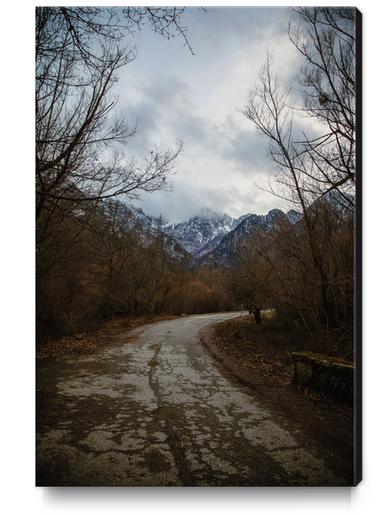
(155, 410)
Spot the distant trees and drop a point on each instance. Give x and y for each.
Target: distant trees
(85, 252)
(109, 266)
(276, 270)
(93, 259)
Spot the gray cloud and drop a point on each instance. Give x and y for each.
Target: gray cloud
(165, 104)
(184, 202)
(198, 99)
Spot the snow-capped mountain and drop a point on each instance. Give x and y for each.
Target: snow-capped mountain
(293, 216)
(130, 218)
(225, 251)
(209, 237)
(141, 219)
(206, 231)
(202, 232)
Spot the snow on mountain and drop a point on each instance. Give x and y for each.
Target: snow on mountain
(209, 236)
(294, 216)
(225, 251)
(196, 234)
(239, 220)
(132, 218)
(144, 221)
(211, 245)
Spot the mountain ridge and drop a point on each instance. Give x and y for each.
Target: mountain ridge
(210, 232)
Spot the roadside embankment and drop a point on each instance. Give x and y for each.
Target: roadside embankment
(259, 357)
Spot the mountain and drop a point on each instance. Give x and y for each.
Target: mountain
(144, 221)
(239, 220)
(293, 216)
(202, 232)
(343, 203)
(229, 244)
(149, 227)
(209, 237)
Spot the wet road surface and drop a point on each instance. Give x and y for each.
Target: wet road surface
(156, 410)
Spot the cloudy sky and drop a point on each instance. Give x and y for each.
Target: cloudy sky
(197, 99)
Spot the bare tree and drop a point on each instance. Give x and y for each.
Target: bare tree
(325, 161)
(327, 42)
(269, 110)
(312, 167)
(165, 21)
(78, 53)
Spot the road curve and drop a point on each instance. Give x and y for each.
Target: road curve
(153, 409)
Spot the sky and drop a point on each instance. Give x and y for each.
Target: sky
(198, 99)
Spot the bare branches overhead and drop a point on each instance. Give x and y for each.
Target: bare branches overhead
(319, 162)
(79, 51)
(324, 159)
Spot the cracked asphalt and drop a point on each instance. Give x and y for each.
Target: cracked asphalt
(153, 409)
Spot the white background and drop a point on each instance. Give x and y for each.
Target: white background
(19, 494)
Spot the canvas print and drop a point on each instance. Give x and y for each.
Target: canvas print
(198, 232)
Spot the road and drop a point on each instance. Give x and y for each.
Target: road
(153, 408)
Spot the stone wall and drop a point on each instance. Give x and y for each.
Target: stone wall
(332, 376)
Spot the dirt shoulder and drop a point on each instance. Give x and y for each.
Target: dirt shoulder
(91, 341)
(259, 357)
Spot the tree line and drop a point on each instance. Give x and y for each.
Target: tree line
(276, 271)
(104, 264)
(92, 263)
(310, 271)
(80, 167)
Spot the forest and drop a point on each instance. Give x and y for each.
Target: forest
(92, 264)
